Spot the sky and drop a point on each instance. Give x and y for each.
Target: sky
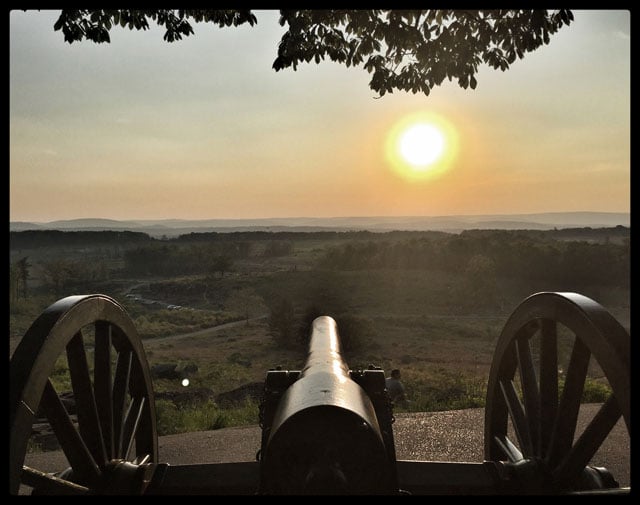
(204, 128)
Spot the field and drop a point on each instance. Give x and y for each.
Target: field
(431, 304)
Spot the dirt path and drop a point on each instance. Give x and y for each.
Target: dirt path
(151, 342)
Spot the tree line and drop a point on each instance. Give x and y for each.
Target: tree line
(235, 236)
(197, 258)
(519, 255)
(170, 259)
(35, 239)
(597, 257)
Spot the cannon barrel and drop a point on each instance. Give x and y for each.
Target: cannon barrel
(324, 436)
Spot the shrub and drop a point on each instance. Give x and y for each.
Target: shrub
(239, 359)
(595, 392)
(166, 417)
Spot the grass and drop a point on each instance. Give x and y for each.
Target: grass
(22, 314)
(34, 447)
(595, 391)
(441, 389)
(60, 377)
(164, 323)
(424, 322)
(445, 366)
(203, 417)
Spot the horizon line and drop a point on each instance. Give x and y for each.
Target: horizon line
(322, 217)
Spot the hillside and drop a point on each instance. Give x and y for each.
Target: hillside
(173, 227)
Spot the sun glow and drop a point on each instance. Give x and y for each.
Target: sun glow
(421, 146)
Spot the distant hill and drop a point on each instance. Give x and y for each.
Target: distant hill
(454, 224)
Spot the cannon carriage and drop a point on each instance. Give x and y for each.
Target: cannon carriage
(326, 429)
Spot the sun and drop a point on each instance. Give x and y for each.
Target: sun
(421, 146)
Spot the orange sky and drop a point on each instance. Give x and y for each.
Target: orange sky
(204, 128)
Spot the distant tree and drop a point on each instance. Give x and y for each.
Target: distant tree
(480, 269)
(22, 276)
(276, 248)
(58, 274)
(243, 249)
(221, 264)
(13, 283)
(480, 277)
(247, 302)
(405, 50)
(282, 323)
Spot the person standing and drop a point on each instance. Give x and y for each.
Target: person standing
(395, 388)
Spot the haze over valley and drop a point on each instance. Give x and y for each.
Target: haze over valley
(452, 224)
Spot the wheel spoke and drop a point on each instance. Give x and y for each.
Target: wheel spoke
(590, 441)
(142, 459)
(530, 392)
(518, 418)
(146, 431)
(548, 382)
(131, 422)
(512, 453)
(102, 383)
(50, 484)
(564, 427)
(72, 444)
(88, 421)
(120, 390)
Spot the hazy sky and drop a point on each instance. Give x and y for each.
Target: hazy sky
(205, 128)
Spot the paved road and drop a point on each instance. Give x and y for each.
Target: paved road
(435, 436)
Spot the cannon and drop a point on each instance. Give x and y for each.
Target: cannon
(326, 429)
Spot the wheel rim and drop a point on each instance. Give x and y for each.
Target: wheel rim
(116, 425)
(527, 394)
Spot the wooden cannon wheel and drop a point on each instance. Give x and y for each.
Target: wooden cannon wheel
(542, 360)
(115, 434)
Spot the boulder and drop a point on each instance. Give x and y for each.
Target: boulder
(189, 370)
(187, 396)
(165, 371)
